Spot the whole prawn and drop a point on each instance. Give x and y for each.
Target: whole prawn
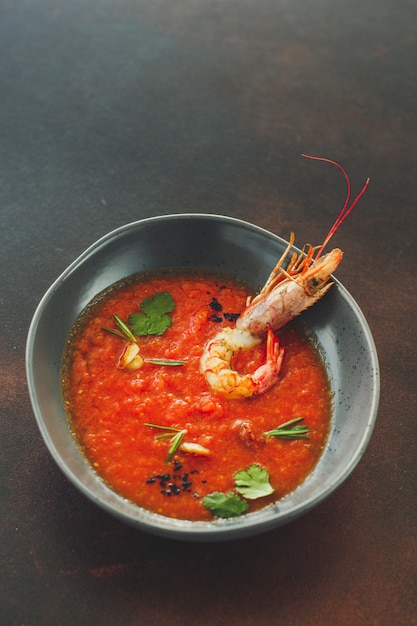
(296, 283)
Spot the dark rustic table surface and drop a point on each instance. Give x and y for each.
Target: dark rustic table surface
(115, 111)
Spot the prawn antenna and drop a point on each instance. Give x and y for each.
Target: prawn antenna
(346, 209)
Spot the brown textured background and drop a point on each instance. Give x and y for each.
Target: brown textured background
(114, 111)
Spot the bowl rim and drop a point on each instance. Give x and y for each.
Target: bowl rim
(248, 524)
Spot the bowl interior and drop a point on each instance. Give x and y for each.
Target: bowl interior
(248, 253)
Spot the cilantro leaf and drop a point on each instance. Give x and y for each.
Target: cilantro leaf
(154, 318)
(162, 302)
(253, 482)
(143, 325)
(225, 505)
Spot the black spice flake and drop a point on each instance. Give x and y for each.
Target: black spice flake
(173, 484)
(231, 317)
(216, 316)
(215, 305)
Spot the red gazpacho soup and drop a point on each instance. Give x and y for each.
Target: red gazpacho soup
(153, 429)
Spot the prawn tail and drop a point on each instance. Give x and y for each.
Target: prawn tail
(267, 374)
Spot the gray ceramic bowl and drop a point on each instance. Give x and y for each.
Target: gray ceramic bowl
(249, 253)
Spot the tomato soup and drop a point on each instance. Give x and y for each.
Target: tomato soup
(125, 420)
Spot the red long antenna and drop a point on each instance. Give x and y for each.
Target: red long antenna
(346, 209)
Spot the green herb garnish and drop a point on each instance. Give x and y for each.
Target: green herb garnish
(124, 331)
(154, 318)
(152, 321)
(290, 430)
(175, 434)
(253, 482)
(225, 504)
(168, 362)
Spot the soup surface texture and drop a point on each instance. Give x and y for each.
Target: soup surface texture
(114, 411)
